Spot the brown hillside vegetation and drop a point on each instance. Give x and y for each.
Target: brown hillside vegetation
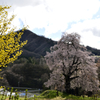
(36, 45)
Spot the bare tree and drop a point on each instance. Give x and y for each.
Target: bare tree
(71, 65)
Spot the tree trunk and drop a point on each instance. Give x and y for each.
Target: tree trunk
(57, 93)
(67, 87)
(67, 84)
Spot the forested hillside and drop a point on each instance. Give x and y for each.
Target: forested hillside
(29, 70)
(36, 46)
(24, 72)
(93, 50)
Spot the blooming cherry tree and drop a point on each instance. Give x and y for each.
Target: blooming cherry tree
(71, 65)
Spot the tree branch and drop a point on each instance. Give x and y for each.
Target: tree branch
(73, 78)
(75, 70)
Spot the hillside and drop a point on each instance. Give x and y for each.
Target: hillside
(29, 70)
(36, 46)
(93, 50)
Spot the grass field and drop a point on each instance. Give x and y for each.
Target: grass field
(52, 95)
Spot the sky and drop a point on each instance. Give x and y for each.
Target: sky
(50, 18)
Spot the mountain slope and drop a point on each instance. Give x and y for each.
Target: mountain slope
(93, 50)
(36, 46)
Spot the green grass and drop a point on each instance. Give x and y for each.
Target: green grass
(52, 95)
(7, 98)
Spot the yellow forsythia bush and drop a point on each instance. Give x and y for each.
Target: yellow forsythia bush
(9, 40)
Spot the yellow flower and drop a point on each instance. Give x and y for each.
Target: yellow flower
(9, 44)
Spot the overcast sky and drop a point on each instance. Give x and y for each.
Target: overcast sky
(52, 17)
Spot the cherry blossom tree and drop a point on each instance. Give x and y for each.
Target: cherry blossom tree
(71, 65)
